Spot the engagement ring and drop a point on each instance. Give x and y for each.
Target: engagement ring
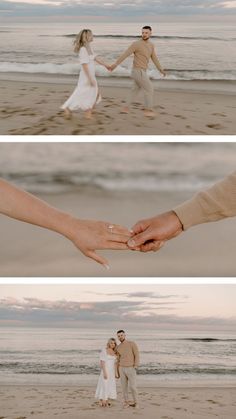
(110, 227)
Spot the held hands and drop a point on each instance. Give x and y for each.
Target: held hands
(146, 235)
(152, 233)
(110, 67)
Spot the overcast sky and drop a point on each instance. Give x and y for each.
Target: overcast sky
(135, 9)
(183, 307)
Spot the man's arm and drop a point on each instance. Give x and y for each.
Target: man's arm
(136, 354)
(157, 62)
(125, 55)
(213, 204)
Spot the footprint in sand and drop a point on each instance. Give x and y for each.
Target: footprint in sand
(180, 116)
(215, 126)
(219, 114)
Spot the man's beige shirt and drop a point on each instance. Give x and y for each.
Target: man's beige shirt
(143, 51)
(128, 354)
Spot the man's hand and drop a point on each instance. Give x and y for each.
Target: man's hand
(112, 67)
(152, 233)
(163, 72)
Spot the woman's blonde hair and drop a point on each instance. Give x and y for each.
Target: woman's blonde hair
(81, 39)
(110, 341)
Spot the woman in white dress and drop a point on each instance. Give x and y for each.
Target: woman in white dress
(106, 388)
(86, 95)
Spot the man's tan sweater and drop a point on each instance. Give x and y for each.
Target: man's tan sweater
(128, 354)
(213, 204)
(143, 51)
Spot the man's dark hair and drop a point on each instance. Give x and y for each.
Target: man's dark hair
(147, 27)
(120, 331)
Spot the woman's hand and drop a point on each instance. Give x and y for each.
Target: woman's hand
(89, 236)
(92, 82)
(105, 376)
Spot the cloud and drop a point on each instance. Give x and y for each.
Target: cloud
(123, 8)
(36, 312)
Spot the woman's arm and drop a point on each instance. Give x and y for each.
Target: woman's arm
(86, 235)
(117, 370)
(101, 62)
(103, 368)
(90, 79)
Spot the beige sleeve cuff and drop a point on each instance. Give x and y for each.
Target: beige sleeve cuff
(214, 204)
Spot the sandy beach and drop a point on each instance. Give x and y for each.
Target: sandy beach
(40, 402)
(30, 105)
(205, 250)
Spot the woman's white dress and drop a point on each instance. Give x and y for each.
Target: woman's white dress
(84, 96)
(106, 389)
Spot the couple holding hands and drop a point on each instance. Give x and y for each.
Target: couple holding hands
(86, 95)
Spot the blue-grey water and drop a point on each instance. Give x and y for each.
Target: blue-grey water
(61, 167)
(188, 50)
(71, 356)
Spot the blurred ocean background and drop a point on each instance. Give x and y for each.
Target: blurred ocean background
(65, 167)
(188, 50)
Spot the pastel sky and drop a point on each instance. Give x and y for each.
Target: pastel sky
(171, 307)
(133, 10)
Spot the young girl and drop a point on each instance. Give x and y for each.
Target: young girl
(86, 95)
(106, 388)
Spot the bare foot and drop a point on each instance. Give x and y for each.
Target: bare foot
(125, 110)
(67, 113)
(149, 113)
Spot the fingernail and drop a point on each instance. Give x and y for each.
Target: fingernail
(131, 231)
(131, 243)
(107, 267)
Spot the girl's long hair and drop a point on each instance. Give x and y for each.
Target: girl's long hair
(81, 39)
(109, 342)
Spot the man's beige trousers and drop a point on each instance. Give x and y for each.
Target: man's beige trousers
(128, 381)
(141, 82)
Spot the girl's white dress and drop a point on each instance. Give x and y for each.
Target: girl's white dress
(84, 96)
(106, 389)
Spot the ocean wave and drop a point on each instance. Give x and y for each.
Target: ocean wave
(73, 68)
(208, 340)
(61, 182)
(60, 368)
(135, 37)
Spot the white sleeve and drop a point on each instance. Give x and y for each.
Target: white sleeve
(83, 56)
(103, 356)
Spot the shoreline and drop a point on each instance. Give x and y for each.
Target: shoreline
(201, 86)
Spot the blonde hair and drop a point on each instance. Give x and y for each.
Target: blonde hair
(110, 341)
(81, 39)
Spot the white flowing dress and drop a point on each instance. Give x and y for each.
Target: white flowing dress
(106, 389)
(84, 96)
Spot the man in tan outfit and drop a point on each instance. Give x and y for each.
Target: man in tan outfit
(213, 204)
(128, 355)
(143, 50)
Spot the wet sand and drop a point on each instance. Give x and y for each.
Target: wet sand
(33, 108)
(40, 402)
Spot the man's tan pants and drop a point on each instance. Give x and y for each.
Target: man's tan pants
(141, 82)
(128, 381)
